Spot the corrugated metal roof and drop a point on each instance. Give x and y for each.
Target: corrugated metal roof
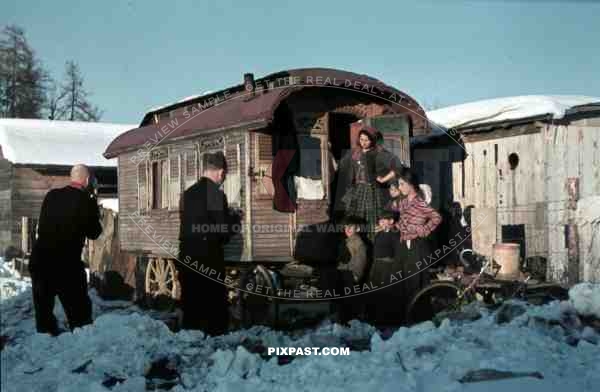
(236, 107)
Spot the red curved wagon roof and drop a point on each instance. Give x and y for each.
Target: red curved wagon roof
(235, 107)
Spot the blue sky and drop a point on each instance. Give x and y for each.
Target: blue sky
(139, 54)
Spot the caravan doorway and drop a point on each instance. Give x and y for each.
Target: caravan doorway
(339, 144)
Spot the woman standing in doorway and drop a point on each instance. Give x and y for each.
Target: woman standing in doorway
(417, 222)
(363, 199)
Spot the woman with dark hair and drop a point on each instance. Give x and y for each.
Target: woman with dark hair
(362, 197)
(416, 223)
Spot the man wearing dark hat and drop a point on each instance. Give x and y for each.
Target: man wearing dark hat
(206, 226)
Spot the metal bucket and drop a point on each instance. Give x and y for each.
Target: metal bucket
(507, 255)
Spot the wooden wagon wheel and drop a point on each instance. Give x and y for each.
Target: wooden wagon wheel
(433, 299)
(161, 280)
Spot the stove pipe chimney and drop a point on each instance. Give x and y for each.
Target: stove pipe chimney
(249, 84)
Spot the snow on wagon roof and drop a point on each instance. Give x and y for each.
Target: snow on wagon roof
(509, 108)
(57, 142)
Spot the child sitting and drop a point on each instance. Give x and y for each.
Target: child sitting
(352, 265)
(353, 260)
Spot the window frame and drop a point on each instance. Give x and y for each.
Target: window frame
(143, 208)
(159, 157)
(172, 200)
(262, 169)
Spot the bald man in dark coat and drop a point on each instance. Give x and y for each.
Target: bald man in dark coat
(68, 216)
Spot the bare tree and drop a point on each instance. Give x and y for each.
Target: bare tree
(22, 78)
(54, 98)
(71, 101)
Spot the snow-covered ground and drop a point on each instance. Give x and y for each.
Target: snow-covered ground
(126, 349)
(11, 281)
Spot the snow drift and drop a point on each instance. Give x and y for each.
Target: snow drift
(127, 349)
(11, 281)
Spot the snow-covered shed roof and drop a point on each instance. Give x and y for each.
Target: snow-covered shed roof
(506, 109)
(57, 142)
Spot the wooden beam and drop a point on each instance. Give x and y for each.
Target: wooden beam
(573, 234)
(502, 133)
(25, 234)
(248, 252)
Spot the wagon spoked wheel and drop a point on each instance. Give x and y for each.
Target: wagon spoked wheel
(162, 286)
(431, 300)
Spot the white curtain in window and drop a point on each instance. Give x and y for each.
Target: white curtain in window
(309, 189)
(232, 188)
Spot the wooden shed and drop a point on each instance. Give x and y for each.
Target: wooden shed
(532, 174)
(36, 156)
(254, 123)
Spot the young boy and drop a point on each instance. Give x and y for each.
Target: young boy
(352, 266)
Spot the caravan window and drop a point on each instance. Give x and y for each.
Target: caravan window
(159, 183)
(159, 170)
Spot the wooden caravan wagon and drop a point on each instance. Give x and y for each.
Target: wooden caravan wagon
(254, 123)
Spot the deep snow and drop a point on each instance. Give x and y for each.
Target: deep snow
(124, 341)
(586, 299)
(11, 281)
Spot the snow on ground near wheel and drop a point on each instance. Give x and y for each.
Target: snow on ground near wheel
(11, 281)
(508, 108)
(58, 142)
(124, 341)
(585, 297)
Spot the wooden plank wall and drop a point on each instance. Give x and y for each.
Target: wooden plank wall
(572, 151)
(270, 228)
(560, 164)
(514, 196)
(29, 187)
(477, 175)
(520, 192)
(588, 208)
(162, 225)
(6, 170)
(234, 250)
(535, 193)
